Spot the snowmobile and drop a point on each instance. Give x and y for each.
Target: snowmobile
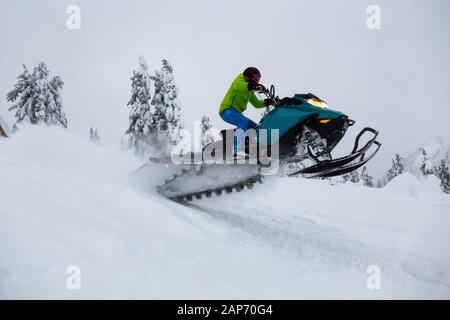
(307, 130)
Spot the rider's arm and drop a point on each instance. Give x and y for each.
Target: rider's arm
(256, 102)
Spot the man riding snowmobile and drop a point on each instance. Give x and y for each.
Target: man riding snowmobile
(242, 91)
(307, 132)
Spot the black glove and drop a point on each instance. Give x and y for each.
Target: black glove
(268, 102)
(256, 87)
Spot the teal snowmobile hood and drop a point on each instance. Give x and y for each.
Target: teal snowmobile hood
(285, 117)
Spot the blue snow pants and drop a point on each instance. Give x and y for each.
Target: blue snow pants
(234, 117)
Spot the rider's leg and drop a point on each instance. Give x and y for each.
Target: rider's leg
(234, 117)
(241, 132)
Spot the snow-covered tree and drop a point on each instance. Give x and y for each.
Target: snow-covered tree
(396, 169)
(354, 176)
(380, 183)
(442, 172)
(140, 127)
(4, 128)
(206, 134)
(93, 135)
(166, 122)
(366, 178)
(425, 165)
(345, 178)
(38, 98)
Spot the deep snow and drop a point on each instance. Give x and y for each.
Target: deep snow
(65, 201)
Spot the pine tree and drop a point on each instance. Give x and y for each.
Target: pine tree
(354, 176)
(443, 174)
(206, 134)
(396, 169)
(94, 136)
(140, 118)
(366, 178)
(346, 178)
(38, 98)
(424, 166)
(166, 122)
(380, 183)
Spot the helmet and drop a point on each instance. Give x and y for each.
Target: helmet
(252, 74)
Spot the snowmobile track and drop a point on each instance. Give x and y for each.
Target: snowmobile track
(237, 186)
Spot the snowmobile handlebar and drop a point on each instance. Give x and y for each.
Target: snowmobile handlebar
(270, 94)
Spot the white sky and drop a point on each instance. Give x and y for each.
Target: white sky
(395, 79)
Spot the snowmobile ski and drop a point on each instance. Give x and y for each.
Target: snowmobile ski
(331, 165)
(343, 169)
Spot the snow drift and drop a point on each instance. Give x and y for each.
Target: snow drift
(65, 201)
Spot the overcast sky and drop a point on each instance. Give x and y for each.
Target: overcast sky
(395, 79)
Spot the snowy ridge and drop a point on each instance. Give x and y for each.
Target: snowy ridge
(66, 201)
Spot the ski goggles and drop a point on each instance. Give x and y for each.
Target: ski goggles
(255, 78)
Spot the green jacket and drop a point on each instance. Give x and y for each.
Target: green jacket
(238, 96)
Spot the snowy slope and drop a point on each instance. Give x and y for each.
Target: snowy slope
(64, 201)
